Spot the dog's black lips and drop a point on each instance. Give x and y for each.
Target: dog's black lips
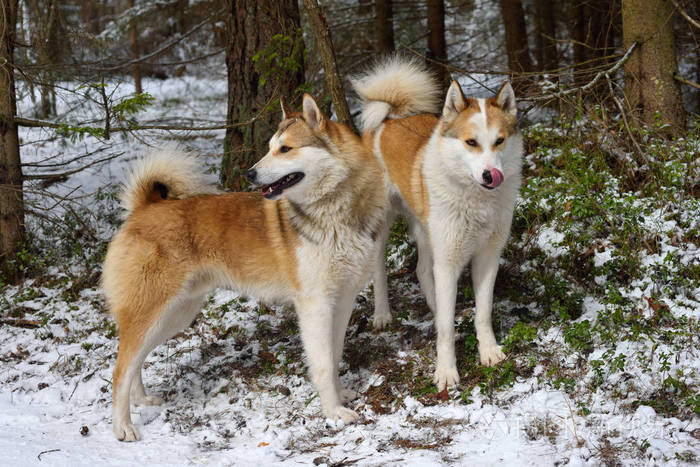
(488, 187)
(276, 188)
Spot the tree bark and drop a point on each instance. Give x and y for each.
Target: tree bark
(384, 25)
(696, 35)
(652, 92)
(325, 47)
(135, 51)
(11, 199)
(437, 48)
(545, 35)
(516, 43)
(271, 29)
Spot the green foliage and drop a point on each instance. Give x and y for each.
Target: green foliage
(278, 59)
(131, 105)
(519, 337)
(78, 133)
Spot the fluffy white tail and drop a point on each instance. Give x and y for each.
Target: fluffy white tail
(164, 174)
(396, 87)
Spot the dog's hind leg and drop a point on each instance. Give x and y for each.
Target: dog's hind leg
(138, 393)
(130, 343)
(484, 270)
(382, 311)
(134, 346)
(424, 269)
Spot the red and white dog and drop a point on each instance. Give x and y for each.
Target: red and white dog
(456, 178)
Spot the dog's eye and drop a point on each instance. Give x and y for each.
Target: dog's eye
(472, 142)
(499, 141)
(285, 149)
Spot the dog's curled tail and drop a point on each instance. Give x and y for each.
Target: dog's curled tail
(164, 174)
(396, 87)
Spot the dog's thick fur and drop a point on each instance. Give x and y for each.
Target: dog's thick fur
(456, 177)
(311, 243)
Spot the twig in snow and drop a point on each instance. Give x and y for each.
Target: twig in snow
(46, 452)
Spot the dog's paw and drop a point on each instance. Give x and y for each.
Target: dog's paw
(125, 432)
(347, 395)
(445, 377)
(491, 354)
(381, 319)
(342, 414)
(148, 400)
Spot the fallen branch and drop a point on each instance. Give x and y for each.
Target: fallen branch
(21, 323)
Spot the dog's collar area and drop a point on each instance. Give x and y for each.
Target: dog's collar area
(276, 188)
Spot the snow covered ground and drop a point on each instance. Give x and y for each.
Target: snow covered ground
(605, 371)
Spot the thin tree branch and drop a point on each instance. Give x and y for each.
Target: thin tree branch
(685, 15)
(590, 84)
(325, 46)
(165, 47)
(677, 77)
(60, 175)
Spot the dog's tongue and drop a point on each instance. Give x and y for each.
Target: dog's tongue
(496, 177)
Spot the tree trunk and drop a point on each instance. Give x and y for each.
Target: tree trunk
(696, 35)
(135, 51)
(50, 45)
(437, 48)
(384, 25)
(516, 43)
(325, 48)
(545, 35)
(11, 200)
(271, 29)
(654, 96)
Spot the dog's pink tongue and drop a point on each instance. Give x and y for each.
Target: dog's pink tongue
(496, 177)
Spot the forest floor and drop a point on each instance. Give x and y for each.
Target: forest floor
(597, 304)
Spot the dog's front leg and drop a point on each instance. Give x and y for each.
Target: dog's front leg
(316, 324)
(484, 270)
(343, 311)
(446, 274)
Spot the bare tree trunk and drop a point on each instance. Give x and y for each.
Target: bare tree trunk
(325, 47)
(652, 92)
(437, 48)
(253, 26)
(545, 35)
(516, 43)
(135, 51)
(11, 199)
(384, 25)
(50, 45)
(696, 35)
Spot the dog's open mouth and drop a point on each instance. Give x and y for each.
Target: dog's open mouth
(276, 188)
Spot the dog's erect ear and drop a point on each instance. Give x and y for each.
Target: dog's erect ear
(505, 99)
(312, 114)
(287, 111)
(455, 101)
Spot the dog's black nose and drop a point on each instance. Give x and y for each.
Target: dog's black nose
(487, 177)
(251, 174)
